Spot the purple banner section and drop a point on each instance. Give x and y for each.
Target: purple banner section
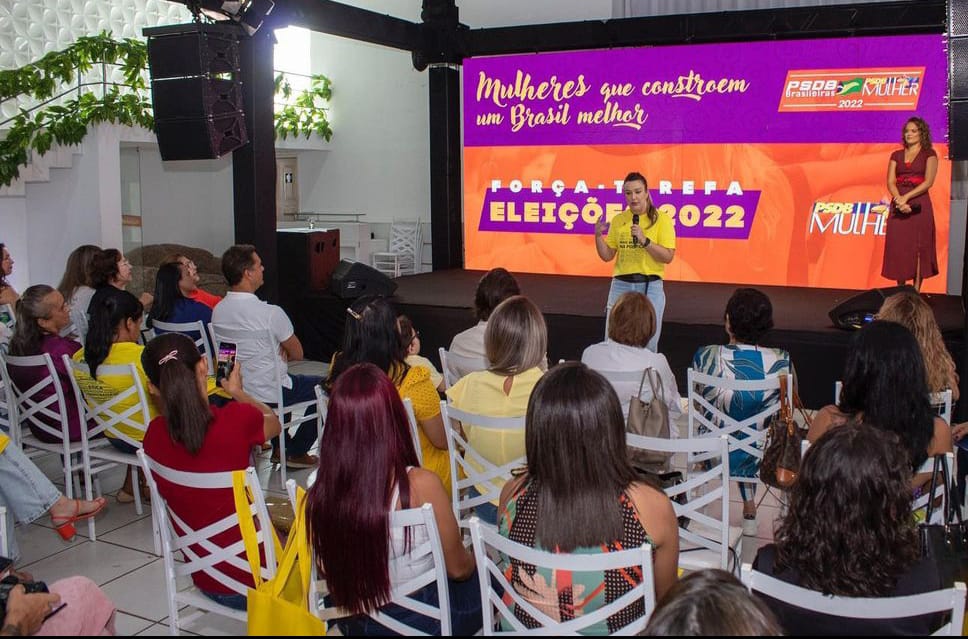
(717, 215)
(830, 90)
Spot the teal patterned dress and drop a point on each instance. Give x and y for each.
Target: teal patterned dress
(744, 362)
(565, 594)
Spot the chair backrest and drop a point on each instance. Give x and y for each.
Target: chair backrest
(943, 490)
(42, 406)
(468, 468)
(414, 428)
(106, 405)
(701, 501)
(248, 343)
(946, 600)
(940, 401)
(455, 366)
(711, 418)
(196, 331)
(405, 238)
(200, 554)
(501, 600)
(426, 551)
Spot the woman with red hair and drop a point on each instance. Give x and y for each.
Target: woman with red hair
(369, 469)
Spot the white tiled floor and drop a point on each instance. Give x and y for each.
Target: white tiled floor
(123, 563)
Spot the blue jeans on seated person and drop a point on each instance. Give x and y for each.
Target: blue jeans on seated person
(122, 445)
(303, 390)
(25, 492)
(233, 600)
(465, 612)
(486, 512)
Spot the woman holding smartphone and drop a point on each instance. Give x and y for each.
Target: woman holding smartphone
(194, 436)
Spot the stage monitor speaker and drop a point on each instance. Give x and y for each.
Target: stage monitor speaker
(860, 309)
(307, 259)
(196, 91)
(355, 279)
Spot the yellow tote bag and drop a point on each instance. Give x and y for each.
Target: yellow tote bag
(279, 606)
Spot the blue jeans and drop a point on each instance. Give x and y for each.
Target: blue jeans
(233, 600)
(652, 290)
(465, 612)
(25, 492)
(486, 512)
(303, 390)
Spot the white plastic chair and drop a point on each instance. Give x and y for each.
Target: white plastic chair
(414, 428)
(107, 413)
(466, 461)
(189, 329)
(701, 502)
(4, 545)
(403, 254)
(455, 366)
(488, 544)
(941, 493)
(436, 572)
(946, 600)
(28, 409)
(710, 419)
(178, 538)
(248, 343)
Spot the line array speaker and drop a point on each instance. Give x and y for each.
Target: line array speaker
(958, 79)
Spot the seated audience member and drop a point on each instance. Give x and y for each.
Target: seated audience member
(112, 338)
(847, 533)
(367, 427)
(42, 315)
(241, 310)
(410, 339)
(26, 494)
(189, 281)
(884, 385)
(8, 294)
(516, 343)
(631, 325)
(579, 494)
(77, 286)
(87, 611)
(173, 307)
(192, 436)
(496, 286)
(749, 315)
(371, 337)
(711, 603)
(111, 268)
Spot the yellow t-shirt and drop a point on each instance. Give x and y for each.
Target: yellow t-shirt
(4, 440)
(107, 386)
(636, 259)
(482, 393)
(417, 387)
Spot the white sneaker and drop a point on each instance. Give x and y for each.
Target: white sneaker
(749, 526)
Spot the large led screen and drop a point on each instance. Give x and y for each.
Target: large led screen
(771, 157)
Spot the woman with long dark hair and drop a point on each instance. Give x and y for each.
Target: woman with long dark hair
(884, 385)
(370, 469)
(170, 304)
(579, 493)
(371, 336)
(192, 436)
(848, 532)
(42, 314)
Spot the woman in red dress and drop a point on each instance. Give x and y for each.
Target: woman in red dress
(909, 249)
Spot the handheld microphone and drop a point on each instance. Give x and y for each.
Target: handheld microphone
(635, 220)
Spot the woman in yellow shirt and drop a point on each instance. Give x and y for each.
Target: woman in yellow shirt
(371, 336)
(516, 343)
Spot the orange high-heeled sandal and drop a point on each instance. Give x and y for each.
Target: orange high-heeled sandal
(65, 528)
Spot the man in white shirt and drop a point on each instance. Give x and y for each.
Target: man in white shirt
(496, 286)
(242, 310)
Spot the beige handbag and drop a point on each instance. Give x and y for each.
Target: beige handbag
(649, 419)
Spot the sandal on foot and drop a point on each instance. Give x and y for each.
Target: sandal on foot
(64, 524)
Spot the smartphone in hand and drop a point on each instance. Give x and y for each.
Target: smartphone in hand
(226, 360)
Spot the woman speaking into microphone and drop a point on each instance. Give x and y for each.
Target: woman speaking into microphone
(644, 242)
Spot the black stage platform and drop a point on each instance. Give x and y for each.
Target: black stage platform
(439, 304)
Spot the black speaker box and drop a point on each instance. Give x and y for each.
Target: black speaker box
(196, 97)
(307, 258)
(355, 279)
(201, 138)
(860, 309)
(183, 50)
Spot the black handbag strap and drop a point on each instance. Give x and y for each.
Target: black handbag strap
(952, 496)
(933, 485)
